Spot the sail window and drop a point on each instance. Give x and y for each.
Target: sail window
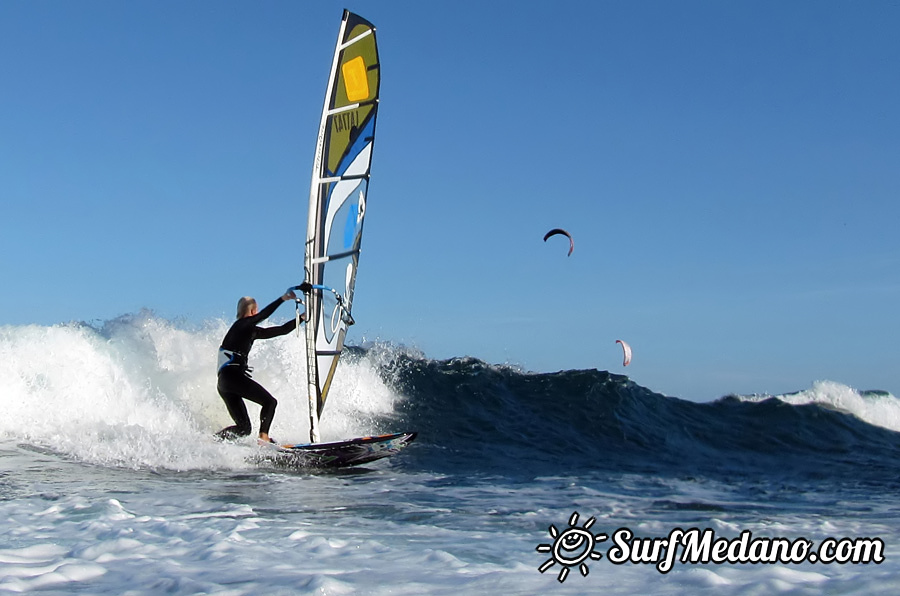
(355, 79)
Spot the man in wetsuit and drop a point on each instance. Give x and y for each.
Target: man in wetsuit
(234, 383)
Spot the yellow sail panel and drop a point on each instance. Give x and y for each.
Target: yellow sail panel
(360, 71)
(354, 98)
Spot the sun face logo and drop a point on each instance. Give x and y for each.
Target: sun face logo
(571, 547)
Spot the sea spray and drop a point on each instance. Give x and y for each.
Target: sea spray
(139, 391)
(878, 408)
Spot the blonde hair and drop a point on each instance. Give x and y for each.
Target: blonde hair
(245, 305)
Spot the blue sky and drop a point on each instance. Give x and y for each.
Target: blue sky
(729, 170)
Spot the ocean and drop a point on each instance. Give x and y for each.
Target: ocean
(574, 482)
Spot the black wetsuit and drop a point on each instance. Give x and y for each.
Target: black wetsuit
(235, 384)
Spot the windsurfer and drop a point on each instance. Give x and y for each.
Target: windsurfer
(234, 381)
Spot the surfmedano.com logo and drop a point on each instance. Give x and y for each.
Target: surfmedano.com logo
(571, 548)
(574, 547)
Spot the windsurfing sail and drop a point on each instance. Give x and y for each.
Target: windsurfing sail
(337, 203)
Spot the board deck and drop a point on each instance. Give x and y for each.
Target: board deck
(339, 454)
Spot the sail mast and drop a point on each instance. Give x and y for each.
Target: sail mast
(313, 237)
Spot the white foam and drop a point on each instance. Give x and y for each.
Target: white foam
(141, 392)
(876, 409)
(37, 554)
(383, 534)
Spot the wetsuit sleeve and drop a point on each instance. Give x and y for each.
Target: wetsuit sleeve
(269, 332)
(266, 312)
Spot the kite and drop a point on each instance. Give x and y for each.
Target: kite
(626, 349)
(556, 231)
